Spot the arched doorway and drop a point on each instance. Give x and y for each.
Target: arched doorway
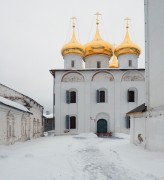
(101, 126)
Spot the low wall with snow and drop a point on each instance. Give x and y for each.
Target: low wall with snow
(151, 127)
(137, 131)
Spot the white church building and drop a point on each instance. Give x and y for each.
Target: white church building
(98, 85)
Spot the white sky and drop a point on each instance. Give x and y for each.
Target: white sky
(32, 33)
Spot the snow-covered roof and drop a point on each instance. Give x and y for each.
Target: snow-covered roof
(48, 115)
(13, 104)
(21, 94)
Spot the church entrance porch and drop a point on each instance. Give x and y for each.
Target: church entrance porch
(101, 126)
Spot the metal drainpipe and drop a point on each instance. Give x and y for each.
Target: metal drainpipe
(53, 101)
(146, 66)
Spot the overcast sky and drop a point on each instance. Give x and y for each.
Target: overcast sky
(32, 33)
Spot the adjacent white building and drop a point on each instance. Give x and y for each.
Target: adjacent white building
(21, 118)
(148, 122)
(14, 122)
(98, 86)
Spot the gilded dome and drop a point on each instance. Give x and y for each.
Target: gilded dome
(73, 47)
(114, 62)
(98, 46)
(127, 46)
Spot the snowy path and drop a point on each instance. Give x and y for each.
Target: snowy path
(82, 157)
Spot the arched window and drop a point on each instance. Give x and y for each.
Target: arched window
(101, 96)
(70, 122)
(38, 126)
(70, 97)
(34, 126)
(23, 126)
(131, 96)
(10, 131)
(10, 125)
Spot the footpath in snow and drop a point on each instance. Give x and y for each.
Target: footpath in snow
(79, 157)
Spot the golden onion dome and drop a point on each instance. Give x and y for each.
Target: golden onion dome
(97, 45)
(73, 47)
(127, 46)
(114, 63)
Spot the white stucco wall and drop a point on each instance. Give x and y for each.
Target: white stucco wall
(153, 118)
(87, 110)
(123, 61)
(137, 126)
(155, 131)
(154, 16)
(91, 61)
(20, 122)
(151, 125)
(33, 107)
(78, 61)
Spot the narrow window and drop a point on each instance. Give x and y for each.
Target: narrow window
(98, 64)
(102, 96)
(72, 97)
(130, 63)
(131, 96)
(72, 64)
(72, 122)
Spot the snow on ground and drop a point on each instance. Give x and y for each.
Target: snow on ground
(80, 157)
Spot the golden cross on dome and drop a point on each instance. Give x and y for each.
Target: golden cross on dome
(97, 18)
(73, 21)
(127, 22)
